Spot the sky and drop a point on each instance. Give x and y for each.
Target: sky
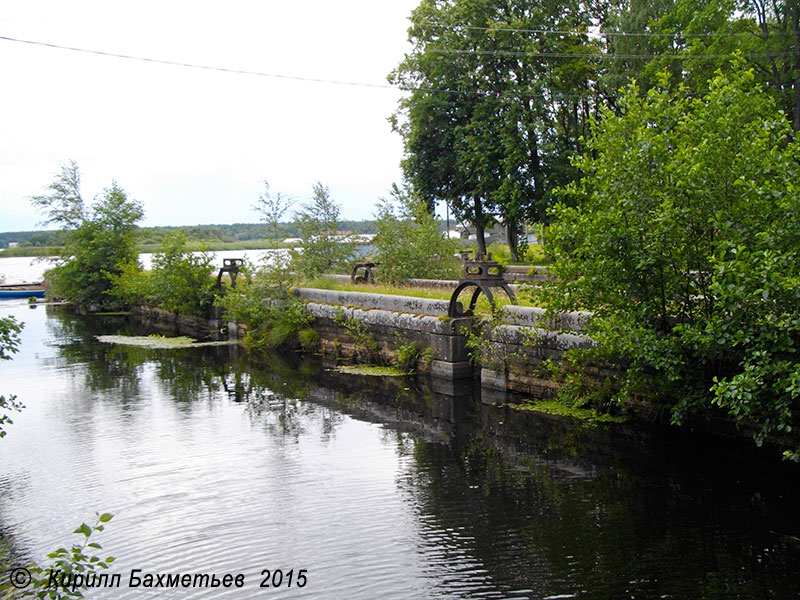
(195, 145)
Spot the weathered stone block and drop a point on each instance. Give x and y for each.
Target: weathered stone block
(450, 348)
(409, 304)
(493, 379)
(454, 370)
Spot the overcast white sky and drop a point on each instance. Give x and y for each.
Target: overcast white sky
(194, 145)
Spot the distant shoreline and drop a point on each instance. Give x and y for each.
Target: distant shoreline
(35, 251)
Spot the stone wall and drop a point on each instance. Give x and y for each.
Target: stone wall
(197, 327)
(371, 327)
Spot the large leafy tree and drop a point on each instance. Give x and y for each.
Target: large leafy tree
(692, 39)
(100, 238)
(492, 115)
(682, 239)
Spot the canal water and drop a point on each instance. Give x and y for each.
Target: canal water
(214, 462)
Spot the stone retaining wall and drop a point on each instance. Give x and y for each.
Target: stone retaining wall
(197, 327)
(371, 327)
(376, 335)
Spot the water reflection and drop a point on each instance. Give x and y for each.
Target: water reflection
(382, 487)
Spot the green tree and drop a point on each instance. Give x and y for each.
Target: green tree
(271, 209)
(491, 120)
(691, 39)
(679, 239)
(409, 243)
(324, 248)
(100, 239)
(63, 204)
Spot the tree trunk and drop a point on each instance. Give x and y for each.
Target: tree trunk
(479, 223)
(512, 237)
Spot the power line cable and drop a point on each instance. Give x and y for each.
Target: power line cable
(403, 88)
(603, 55)
(197, 66)
(521, 93)
(670, 34)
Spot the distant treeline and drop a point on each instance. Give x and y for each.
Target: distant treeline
(238, 232)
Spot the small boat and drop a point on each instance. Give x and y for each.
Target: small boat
(22, 290)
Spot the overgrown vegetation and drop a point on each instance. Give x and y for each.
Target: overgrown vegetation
(324, 247)
(365, 345)
(180, 280)
(263, 304)
(409, 243)
(683, 240)
(99, 239)
(411, 356)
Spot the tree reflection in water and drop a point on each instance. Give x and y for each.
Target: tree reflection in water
(514, 505)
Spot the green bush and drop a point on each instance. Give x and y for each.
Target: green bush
(180, 280)
(682, 240)
(323, 249)
(96, 250)
(409, 243)
(262, 302)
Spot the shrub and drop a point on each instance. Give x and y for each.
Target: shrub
(323, 249)
(180, 280)
(409, 243)
(99, 241)
(262, 302)
(682, 240)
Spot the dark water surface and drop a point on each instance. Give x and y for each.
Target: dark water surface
(213, 462)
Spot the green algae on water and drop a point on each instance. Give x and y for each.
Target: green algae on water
(587, 415)
(371, 370)
(158, 341)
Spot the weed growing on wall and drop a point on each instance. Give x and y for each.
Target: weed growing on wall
(410, 356)
(262, 302)
(365, 343)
